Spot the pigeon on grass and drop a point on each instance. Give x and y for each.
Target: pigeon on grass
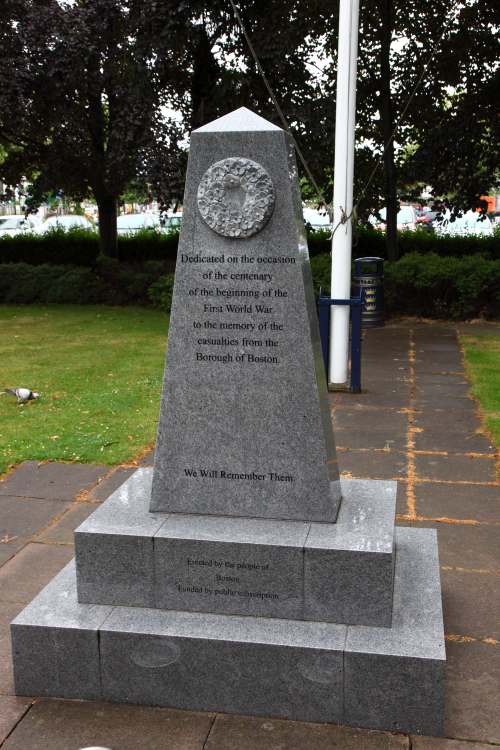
(23, 395)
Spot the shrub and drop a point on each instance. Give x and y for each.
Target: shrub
(149, 245)
(76, 247)
(160, 293)
(130, 283)
(109, 283)
(21, 283)
(368, 242)
(431, 286)
(79, 247)
(321, 272)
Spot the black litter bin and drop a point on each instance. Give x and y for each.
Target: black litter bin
(369, 278)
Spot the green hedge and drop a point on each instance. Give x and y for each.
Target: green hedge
(435, 287)
(82, 248)
(109, 283)
(368, 242)
(430, 286)
(418, 284)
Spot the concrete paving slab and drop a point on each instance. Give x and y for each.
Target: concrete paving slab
(372, 429)
(438, 361)
(440, 343)
(457, 389)
(402, 500)
(383, 439)
(471, 604)
(457, 418)
(447, 404)
(461, 546)
(454, 468)
(458, 501)
(23, 517)
(249, 733)
(7, 613)
(381, 397)
(64, 725)
(471, 698)
(368, 421)
(372, 464)
(444, 378)
(438, 438)
(22, 577)
(61, 532)
(51, 481)
(9, 549)
(440, 743)
(148, 459)
(12, 710)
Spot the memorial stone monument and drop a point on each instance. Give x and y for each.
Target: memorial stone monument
(240, 574)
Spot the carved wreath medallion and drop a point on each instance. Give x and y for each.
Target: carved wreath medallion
(236, 197)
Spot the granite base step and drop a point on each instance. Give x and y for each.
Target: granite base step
(341, 572)
(374, 677)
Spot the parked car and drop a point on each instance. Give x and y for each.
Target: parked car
(65, 222)
(171, 222)
(470, 223)
(316, 219)
(133, 223)
(11, 226)
(426, 218)
(406, 219)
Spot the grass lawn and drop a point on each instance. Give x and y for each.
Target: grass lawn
(482, 355)
(99, 371)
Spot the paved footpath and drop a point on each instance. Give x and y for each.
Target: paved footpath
(416, 423)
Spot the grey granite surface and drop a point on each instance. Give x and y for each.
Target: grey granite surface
(340, 572)
(348, 566)
(244, 423)
(55, 646)
(245, 664)
(114, 547)
(384, 678)
(126, 511)
(394, 678)
(230, 565)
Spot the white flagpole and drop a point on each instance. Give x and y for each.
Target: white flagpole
(345, 122)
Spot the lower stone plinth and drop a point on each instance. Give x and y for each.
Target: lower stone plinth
(385, 678)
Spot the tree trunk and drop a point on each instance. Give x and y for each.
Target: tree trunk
(107, 208)
(203, 83)
(387, 121)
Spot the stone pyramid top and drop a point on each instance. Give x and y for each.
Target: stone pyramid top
(241, 119)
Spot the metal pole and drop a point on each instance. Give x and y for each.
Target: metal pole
(345, 121)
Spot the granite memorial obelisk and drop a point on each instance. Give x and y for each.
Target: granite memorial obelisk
(245, 427)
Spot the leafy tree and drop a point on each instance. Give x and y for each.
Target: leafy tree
(458, 146)
(87, 86)
(434, 68)
(96, 95)
(81, 92)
